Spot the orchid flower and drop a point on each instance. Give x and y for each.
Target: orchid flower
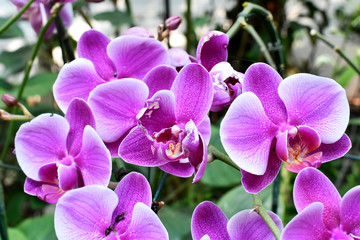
(39, 12)
(103, 60)
(96, 212)
(300, 120)
(322, 213)
(210, 223)
(59, 154)
(173, 129)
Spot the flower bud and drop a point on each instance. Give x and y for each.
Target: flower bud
(173, 22)
(9, 100)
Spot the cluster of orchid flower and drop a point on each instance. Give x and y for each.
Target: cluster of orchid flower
(130, 97)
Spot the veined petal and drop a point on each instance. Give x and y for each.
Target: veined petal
(67, 177)
(208, 219)
(47, 192)
(193, 94)
(249, 225)
(41, 141)
(92, 45)
(145, 225)
(84, 213)
(246, 134)
(212, 49)
(264, 81)
(205, 129)
(198, 159)
(133, 188)
(349, 212)
(139, 31)
(316, 102)
(135, 56)
(313, 186)
(160, 78)
(115, 106)
(78, 116)
(76, 79)
(178, 169)
(178, 57)
(307, 225)
(94, 160)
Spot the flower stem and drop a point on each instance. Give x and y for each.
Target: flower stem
(316, 34)
(14, 18)
(214, 153)
(352, 157)
(259, 208)
(161, 184)
(64, 41)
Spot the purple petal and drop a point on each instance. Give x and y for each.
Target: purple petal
(212, 49)
(113, 147)
(136, 149)
(134, 56)
(193, 94)
(67, 14)
(39, 142)
(76, 79)
(94, 160)
(208, 219)
(349, 212)
(178, 57)
(246, 134)
(205, 129)
(78, 116)
(85, 213)
(160, 78)
(307, 225)
(49, 173)
(255, 183)
(133, 188)
(178, 169)
(313, 186)
(145, 225)
(138, 31)
(263, 80)
(47, 192)
(115, 106)
(281, 146)
(334, 150)
(92, 45)
(67, 177)
(316, 102)
(198, 159)
(250, 226)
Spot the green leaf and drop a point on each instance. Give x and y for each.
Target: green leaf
(15, 61)
(354, 121)
(219, 174)
(40, 84)
(237, 199)
(117, 18)
(176, 222)
(13, 31)
(39, 228)
(16, 234)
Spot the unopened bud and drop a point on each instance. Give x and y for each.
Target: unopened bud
(9, 100)
(173, 22)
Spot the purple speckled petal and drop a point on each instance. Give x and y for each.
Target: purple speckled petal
(205, 129)
(250, 226)
(349, 211)
(115, 106)
(246, 134)
(92, 45)
(212, 49)
(145, 225)
(178, 57)
(208, 219)
(316, 102)
(133, 188)
(84, 213)
(307, 225)
(41, 141)
(255, 183)
(160, 78)
(78, 116)
(313, 186)
(76, 79)
(47, 192)
(135, 56)
(94, 160)
(263, 80)
(193, 94)
(178, 169)
(136, 149)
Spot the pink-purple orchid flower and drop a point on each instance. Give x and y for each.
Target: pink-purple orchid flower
(59, 154)
(210, 223)
(323, 214)
(300, 120)
(96, 212)
(102, 60)
(39, 12)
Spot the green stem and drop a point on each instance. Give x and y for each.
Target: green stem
(161, 184)
(188, 26)
(3, 222)
(259, 208)
(8, 166)
(129, 11)
(352, 157)
(316, 34)
(14, 18)
(214, 153)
